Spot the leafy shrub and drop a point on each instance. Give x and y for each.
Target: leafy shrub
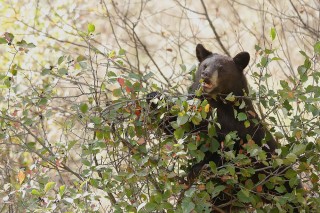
(100, 146)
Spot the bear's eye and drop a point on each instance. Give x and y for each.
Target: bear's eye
(205, 66)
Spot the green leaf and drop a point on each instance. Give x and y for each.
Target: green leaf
(22, 43)
(14, 72)
(3, 41)
(192, 146)
(63, 71)
(182, 119)
(81, 58)
(187, 206)
(299, 149)
(158, 198)
(7, 82)
(246, 124)
(117, 92)
(230, 97)
(151, 206)
(217, 190)
(45, 71)
(212, 130)
(198, 92)
(49, 186)
(303, 53)
(213, 166)
(62, 189)
(83, 64)
(86, 162)
(257, 47)
(43, 101)
(264, 61)
(71, 144)
(291, 157)
(242, 105)
(61, 59)
(290, 173)
(103, 87)
(276, 59)
(83, 107)
(196, 119)
(183, 67)
(31, 45)
(148, 76)
(273, 33)
(317, 48)
(243, 196)
(35, 192)
(242, 116)
(96, 120)
(178, 133)
(91, 28)
(279, 135)
(121, 52)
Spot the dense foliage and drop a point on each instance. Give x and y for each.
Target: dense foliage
(107, 147)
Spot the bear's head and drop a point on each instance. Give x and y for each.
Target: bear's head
(221, 74)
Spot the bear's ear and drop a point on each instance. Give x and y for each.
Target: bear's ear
(202, 53)
(242, 60)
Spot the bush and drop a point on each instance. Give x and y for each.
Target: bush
(101, 145)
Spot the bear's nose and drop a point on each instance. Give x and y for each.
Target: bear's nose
(205, 74)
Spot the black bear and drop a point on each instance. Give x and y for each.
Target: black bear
(219, 76)
(222, 75)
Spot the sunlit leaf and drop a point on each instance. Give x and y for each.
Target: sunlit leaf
(273, 33)
(49, 186)
(35, 192)
(91, 28)
(230, 97)
(62, 189)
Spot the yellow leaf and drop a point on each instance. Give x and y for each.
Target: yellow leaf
(207, 108)
(290, 94)
(21, 176)
(298, 134)
(182, 113)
